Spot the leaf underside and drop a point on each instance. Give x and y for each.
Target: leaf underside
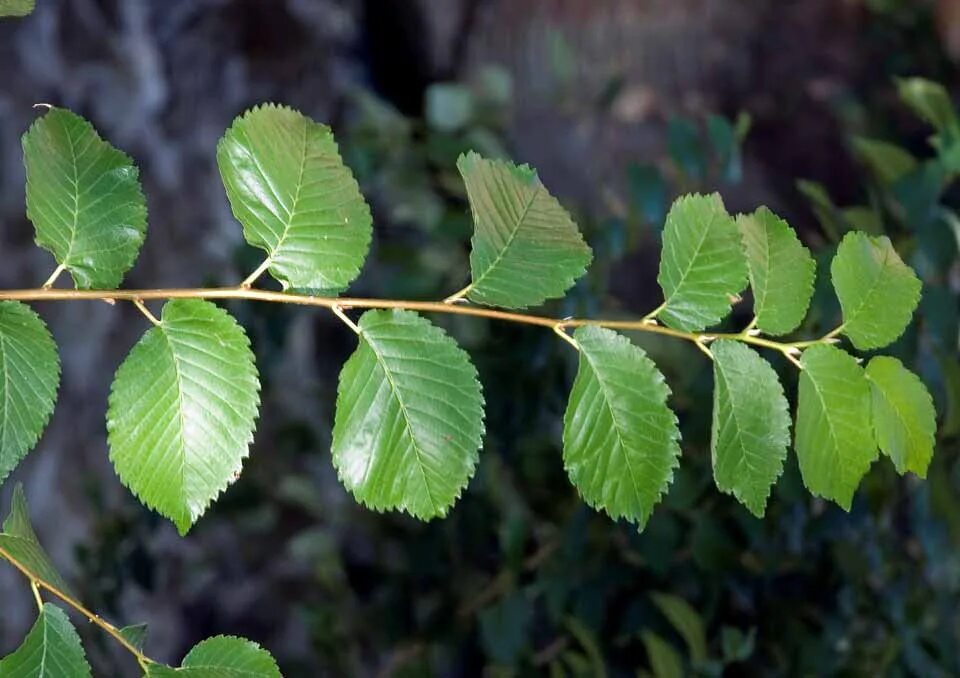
(751, 424)
(620, 439)
(781, 271)
(51, 649)
(877, 291)
(702, 266)
(221, 657)
(904, 418)
(182, 410)
(525, 248)
(409, 418)
(84, 199)
(834, 436)
(29, 378)
(295, 198)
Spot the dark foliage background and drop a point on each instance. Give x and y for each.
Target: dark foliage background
(621, 105)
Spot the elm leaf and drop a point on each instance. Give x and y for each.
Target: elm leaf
(51, 649)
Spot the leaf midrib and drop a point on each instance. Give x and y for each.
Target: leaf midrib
(513, 234)
(872, 288)
(181, 439)
(292, 212)
(696, 253)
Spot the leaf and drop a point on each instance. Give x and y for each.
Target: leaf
(781, 271)
(296, 200)
(29, 378)
(703, 264)
(19, 544)
(84, 199)
(526, 248)
(686, 621)
(877, 291)
(929, 100)
(182, 410)
(409, 418)
(888, 162)
(17, 8)
(135, 634)
(751, 424)
(620, 440)
(834, 438)
(904, 419)
(221, 657)
(665, 661)
(828, 214)
(51, 649)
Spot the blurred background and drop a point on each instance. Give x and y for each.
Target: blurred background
(621, 105)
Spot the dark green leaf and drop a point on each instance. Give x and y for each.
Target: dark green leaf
(52, 649)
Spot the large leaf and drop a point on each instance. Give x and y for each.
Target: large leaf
(526, 248)
(16, 7)
(295, 198)
(904, 418)
(703, 265)
(51, 649)
(751, 424)
(878, 292)
(29, 377)
(620, 440)
(834, 436)
(781, 271)
(221, 657)
(84, 198)
(182, 410)
(409, 418)
(19, 544)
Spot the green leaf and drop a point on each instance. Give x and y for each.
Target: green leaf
(526, 248)
(182, 410)
(834, 437)
(781, 271)
(888, 162)
(686, 621)
(904, 419)
(19, 544)
(703, 265)
(877, 291)
(221, 657)
(409, 419)
(828, 214)
(620, 440)
(135, 634)
(929, 100)
(295, 198)
(16, 8)
(751, 424)
(84, 199)
(665, 661)
(30, 373)
(51, 649)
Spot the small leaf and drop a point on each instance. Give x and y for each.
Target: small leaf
(781, 271)
(751, 425)
(887, 161)
(19, 544)
(221, 657)
(686, 621)
(904, 419)
(182, 410)
(17, 8)
(703, 264)
(84, 198)
(51, 649)
(929, 100)
(30, 369)
(135, 634)
(877, 291)
(409, 418)
(526, 248)
(296, 200)
(620, 440)
(834, 438)
(665, 661)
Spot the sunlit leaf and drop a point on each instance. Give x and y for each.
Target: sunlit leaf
(620, 440)
(84, 198)
(221, 657)
(409, 419)
(526, 248)
(51, 649)
(295, 198)
(30, 370)
(182, 410)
